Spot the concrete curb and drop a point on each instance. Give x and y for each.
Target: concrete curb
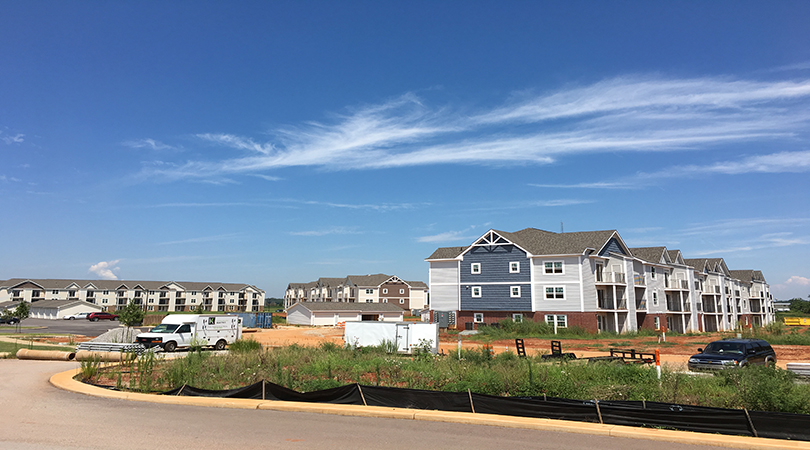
(64, 380)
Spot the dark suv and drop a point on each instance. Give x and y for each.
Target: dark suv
(733, 353)
(96, 316)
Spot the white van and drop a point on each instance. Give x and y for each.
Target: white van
(183, 330)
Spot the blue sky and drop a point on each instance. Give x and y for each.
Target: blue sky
(278, 142)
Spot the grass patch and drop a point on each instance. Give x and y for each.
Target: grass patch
(12, 347)
(330, 365)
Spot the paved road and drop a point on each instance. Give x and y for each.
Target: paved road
(83, 327)
(36, 415)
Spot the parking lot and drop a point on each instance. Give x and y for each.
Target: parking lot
(81, 327)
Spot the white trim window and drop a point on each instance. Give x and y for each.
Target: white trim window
(369, 291)
(385, 291)
(402, 291)
(560, 319)
(652, 275)
(368, 300)
(478, 317)
(402, 301)
(475, 268)
(476, 291)
(514, 291)
(555, 293)
(514, 267)
(553, 268)
(655, 299)
(657, 323)
(517, 318)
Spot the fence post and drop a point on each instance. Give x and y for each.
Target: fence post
(750, 423)
(361, 394)
(658, 363)
(472, 407)
(598, 411)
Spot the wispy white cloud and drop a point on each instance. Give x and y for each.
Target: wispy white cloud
(267, 177)
(782, 162)
(150, 144)
(464, 235)
(105, 269)
(798, 280)
(624, 114)
(15, 139)
(326, 232)
(219, 237)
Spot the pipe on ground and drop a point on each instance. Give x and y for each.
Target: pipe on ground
(46, 355)
(88, 355)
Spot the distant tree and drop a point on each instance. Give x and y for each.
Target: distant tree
(799, 305)
(131, 315)
(21, 312)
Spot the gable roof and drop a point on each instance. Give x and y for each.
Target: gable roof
(542, 242)
(708, 264)
(361, 307)
(748, 275)
(653, 255)
(112, 285)
(368, 280)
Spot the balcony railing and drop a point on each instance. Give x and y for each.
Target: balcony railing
(641, 305)
(708, 307)
(610, 303)
(610, 277)
(677, 284)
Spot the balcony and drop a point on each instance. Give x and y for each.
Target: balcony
(606, 302)
(676, 285)
(638, 279)
(641, 304)
(709, 307)
(610, 278)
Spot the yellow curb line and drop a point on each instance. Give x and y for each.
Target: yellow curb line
(64, 380)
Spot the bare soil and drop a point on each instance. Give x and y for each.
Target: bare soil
(675, 350)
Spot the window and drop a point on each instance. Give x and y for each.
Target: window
(476, 292)
(385, 291)
(657, 323)
(475, 268)
(106, 292)
(369, 291)
(514, 291)
(104, 301)
(151, 292)
(55, 292)
(385, 300)
(655, 300)
(555, 293)
(514, 267)
(150, 308)
(402, 301)
(652, 275)
(17, 293)
(552, 267)
(193, 300)
(561, 320)
(517, 318)
(402, 291)
(368, 300)
(478, 317)
(193, 307)
(90, 294)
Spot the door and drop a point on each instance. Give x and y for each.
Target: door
(184, 335)
(402, 338)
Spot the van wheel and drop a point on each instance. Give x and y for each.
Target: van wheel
(169, 346)
(220, 345)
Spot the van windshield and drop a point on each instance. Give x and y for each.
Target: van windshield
(164, 328)
(720, 348)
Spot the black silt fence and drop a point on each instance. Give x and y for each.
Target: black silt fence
(631, 413)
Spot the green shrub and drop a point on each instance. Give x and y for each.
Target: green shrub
(245, 346)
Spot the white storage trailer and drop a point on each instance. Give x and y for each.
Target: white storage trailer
(183, 330)
(407, 336)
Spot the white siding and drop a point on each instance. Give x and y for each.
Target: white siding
(444, 287)
(569, 280)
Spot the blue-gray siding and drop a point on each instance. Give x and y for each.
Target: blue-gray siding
(496, 297)
(495, 262)
(495, 265)
(612, 246)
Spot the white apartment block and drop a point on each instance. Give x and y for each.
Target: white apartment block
(112, 295)
(377, 288)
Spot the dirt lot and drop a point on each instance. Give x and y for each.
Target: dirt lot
(675, 351)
